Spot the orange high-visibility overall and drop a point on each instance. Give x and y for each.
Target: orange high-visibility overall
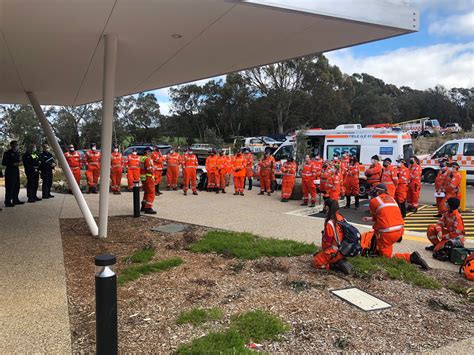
(402, 186)
(265, 174)
(239, 164)
(212, 172)
(440, 184)
(116, 170)
(330, 245)
(351, 182)
(157, 158)
(308, 175)
(289, 172)
(374, 173)
(92, 160)
(451, 225)
(172, 170)
(222, 169)
(190, 164)
(414, 185)
(133, 169)
(334, 186)
(390, 179)
(147, 177)
(74, 162)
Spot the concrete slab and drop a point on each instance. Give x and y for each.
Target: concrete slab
(170, 228)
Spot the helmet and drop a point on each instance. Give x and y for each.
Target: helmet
(468, 267)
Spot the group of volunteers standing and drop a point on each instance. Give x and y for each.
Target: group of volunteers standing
(36, 165)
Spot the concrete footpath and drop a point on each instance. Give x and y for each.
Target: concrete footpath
(33, 300)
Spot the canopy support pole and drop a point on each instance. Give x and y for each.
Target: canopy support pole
(108, 93)
(86, 212)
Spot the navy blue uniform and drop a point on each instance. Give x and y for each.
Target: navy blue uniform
(11, 160)
(31, 163)
(46, 167)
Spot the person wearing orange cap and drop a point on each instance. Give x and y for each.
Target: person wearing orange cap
(116, 170)
(288, 170)
(239, 164)
(389, 226)
(133, 168)
(190, 163)
(449, 232)
(92, 161)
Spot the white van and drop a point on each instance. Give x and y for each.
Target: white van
(361, 142)
(460, 150)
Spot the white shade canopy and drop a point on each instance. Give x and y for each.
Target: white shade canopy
(55, 48)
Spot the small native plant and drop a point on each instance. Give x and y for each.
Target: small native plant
(198, 316)
(132, 273)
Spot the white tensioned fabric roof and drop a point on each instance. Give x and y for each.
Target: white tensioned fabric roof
(54, 47)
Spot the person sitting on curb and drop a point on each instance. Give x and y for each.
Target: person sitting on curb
(389, 226)
(330, 257)
(448, 232)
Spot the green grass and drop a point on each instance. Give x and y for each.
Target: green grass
(134, 272)
(198, 316)
(248, 246)
(254, 326)
(467, 292)
(396, 269)
(141, 256)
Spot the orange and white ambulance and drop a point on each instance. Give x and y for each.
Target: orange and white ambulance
(458, 150)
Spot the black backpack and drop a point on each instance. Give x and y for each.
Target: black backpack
(350, 245)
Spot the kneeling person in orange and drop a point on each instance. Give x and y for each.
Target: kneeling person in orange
(330, 257)
(449, 229)
(288, 170)
(116, 170)
(133, 169)
(389, 226)
(190, 164)
(148, 181)
(239, 164)
(92, 160)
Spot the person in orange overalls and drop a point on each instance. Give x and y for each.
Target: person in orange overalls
(222, 169)
(374, 172)
(308, 175)
(272, 174)
(73, 159)
(288, 170)
(402, 186)
(116, 170)
(389, 176)
(449, 229)
(414, 184)
(190, 164)
(329, 257)
(212, 172)
(440, 185)
(333, 184)
(92, 161)
(147, 176)
(133, 169)
(249, 167)
(172, 170)
(158, 159)
(389, 226)
(228, 172)
(325, 173)
(239, 164)
(351, 183)
(453, 182)
(265, 174)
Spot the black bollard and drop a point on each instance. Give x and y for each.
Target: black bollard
(136, 199)
(106, 305)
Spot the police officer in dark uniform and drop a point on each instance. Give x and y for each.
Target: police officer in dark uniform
(46, 167)
(11, 160)
(31, 163)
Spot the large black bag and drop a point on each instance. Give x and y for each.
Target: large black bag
(350, 245)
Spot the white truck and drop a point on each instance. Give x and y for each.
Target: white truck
(364, 143)
(459, 150)
(420, 127)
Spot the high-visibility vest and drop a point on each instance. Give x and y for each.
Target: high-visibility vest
(386, 214)
(146, 168)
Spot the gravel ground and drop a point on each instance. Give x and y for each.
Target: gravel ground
(420, 320)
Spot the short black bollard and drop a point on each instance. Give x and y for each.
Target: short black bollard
(106, 305)
(136, 199)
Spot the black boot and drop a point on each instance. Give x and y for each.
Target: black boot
(415, 258)
(250, 183)
(150, 211)
(348, 202)
(403, 209)
(356, 204)
(157, 190)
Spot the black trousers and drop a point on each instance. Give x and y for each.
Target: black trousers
(12, 185)
(47, 177)
(32, 182)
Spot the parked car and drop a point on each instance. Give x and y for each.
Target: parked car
(452, 128)
(163, 148)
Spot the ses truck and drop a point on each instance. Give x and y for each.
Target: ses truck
(364, 143)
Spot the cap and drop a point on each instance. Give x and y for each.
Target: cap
(375, 157)
(381, 187)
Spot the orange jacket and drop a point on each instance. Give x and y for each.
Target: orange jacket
(116, 160)
(353, 170)
(451, 221)
(146, 168)
(265, 166)
(453, 183)
(344, 165)
(440, 181)
(239, 163)
(289, 168)
(272, 159)
(389, 176)
(189, 161)
(385, 213)
(403, 174)
(133, 161)
(329, 240)
(173, 159)
(211, 163)
(415, 174)
(374, 173)
(249, 158)
(318, 166)
(92, 158)
(222, 164)
(73, 159)
(334, 182)
(308, 172)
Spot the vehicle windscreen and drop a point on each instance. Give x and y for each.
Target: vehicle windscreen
(435, 123)
(449, 149)
(284, 152)
(407, 151)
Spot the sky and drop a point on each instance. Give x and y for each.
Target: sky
(441, 53)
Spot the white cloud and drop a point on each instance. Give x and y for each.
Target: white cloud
(461, 25)
(450, 65)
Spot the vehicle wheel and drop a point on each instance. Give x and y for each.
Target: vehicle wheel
(363, 189)
(429, 176)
